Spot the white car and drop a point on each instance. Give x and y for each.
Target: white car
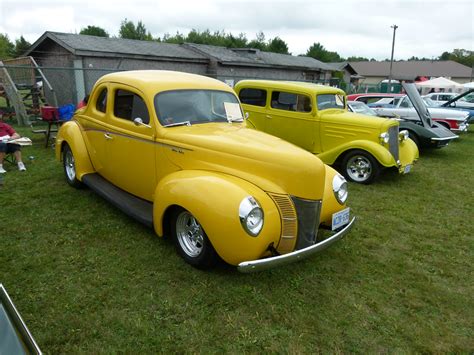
(455, 120)
(443, 97)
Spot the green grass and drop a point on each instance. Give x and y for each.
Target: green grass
(86, 278)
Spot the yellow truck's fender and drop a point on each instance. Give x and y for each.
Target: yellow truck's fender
(70, 133)
(330, 204)
(378, 151)
(214, 200)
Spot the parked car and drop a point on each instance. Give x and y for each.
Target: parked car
(424, 134)
(170, 150)
(315, 118)
(401, 105)
(464, 102)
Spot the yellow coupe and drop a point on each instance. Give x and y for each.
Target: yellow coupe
(170, 150)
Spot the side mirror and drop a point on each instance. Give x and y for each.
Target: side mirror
(139, 122)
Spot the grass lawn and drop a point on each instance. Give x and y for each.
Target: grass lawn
(87, 278)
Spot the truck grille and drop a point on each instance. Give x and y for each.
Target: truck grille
(308, 213)
(289, 222)
(393, 144)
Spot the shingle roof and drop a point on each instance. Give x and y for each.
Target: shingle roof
(83, 44)
(412, 69)
(255, 57)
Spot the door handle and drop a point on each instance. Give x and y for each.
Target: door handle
(268, 116)
(107, 136)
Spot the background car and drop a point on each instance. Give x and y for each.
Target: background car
(464, 102)
(423, 134)
(315, 118)
(170, 150)
(401, 105)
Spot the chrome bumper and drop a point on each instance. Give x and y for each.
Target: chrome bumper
(267, 263)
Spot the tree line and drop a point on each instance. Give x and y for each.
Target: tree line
(130, 30)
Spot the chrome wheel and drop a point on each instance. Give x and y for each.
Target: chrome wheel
(69, 165)
(359, 168)
(189, 234)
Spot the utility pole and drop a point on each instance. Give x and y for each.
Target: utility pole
(389, 88)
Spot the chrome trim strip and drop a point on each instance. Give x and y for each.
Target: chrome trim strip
(18, 322)
(444, 139)
(263, 264)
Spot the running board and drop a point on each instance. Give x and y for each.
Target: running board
(133, 206)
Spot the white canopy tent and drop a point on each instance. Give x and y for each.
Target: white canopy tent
(469, 85)
(439, 84)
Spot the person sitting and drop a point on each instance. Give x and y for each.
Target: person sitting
(7, 133)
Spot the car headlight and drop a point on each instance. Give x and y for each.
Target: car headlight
(403, 135)
(384, 137)
(339, 187)
(251, 216)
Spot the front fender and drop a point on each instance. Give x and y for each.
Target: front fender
(70, 133)
(408, 153)
(214, 200)
(330, 204)
(378, 151)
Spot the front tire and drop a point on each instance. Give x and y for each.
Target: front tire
(191, 241)
(360, 166)
(69, 165)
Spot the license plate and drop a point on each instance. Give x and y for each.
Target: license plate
(407, 169)
(340, 218)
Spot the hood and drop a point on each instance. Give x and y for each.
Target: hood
(418, 104)
(266, 161)
(354, 119)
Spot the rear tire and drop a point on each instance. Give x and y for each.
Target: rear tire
(69, 165)
(360, 166)
(191, 240)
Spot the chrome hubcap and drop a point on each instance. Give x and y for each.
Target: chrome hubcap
(359, 168)
(70, 166)
(190, 234)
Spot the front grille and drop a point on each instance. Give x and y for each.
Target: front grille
(393, 144)
(308, 213)
(288, 223)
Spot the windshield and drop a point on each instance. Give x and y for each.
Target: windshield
(360, 107)
(430, 103)
(196, 106)
(326, 101)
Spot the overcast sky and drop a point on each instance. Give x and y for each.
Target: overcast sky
(427, 28)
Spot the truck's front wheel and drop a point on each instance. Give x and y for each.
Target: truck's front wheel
(191, 241)
(359, 166)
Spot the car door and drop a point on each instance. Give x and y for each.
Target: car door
(130, 146)
(95, 123)
(290, 117)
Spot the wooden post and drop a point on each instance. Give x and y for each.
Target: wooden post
(14, 96)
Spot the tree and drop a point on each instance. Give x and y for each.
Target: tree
(7, 48)
(277, 45)
(357, 59)
(258, 42)
(317, 51)
(462, 56)
(130, 31)
(21, 46)
(94, 31)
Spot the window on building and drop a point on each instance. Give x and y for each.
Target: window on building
(128, 105)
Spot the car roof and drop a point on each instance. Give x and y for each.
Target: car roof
(309, 88)
(163, 80)
(373, 94)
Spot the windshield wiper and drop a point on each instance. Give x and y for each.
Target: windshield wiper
(184, 123)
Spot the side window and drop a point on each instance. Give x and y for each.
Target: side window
(255, 97)
(101, 103)
(290, 102)
(128, 105)
(406, 102)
